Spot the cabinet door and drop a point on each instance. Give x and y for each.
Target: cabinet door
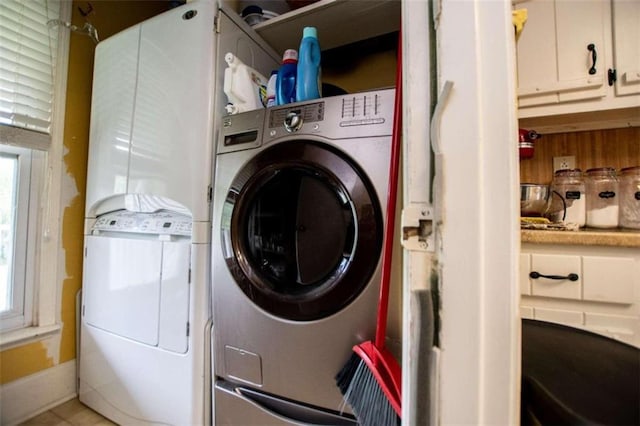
(609, 279)
(559, 265)
(626, 46)
(555, 63)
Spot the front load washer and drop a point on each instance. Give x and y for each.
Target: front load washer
(297, 237)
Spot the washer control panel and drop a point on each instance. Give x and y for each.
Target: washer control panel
(361, 109)
(158, 223)
(306, 113)
(356, 115)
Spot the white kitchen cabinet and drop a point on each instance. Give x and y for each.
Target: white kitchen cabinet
(605, 297)
(561, 316)
(621, 327)
(555, 63)
(626, 46)
(567, 52)
(608, 279)
(556, 266)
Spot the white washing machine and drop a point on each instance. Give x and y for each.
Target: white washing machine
(299, 208)
(146, 314)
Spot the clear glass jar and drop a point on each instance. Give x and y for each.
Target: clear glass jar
(569, 185)
(630, 197)
(602, 197)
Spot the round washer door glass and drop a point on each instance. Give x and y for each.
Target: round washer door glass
(305, 226)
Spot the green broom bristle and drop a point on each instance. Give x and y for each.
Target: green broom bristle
(365, 396)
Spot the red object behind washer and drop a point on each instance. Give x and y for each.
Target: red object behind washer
(526, 144)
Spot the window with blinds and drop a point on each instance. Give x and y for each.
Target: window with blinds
(27, 62)
(28, 142)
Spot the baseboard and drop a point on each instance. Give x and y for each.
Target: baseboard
(34, 394)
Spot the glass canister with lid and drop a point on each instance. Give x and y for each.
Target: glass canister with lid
(630, 197)
(569, 184)
(602, 197)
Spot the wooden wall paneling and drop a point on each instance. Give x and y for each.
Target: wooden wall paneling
(616, 148)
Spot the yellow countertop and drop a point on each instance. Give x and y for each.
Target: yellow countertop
(586, 236)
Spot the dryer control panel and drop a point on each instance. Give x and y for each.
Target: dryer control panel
(159, 223)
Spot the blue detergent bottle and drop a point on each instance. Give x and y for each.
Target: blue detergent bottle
(309, 71)
(286, 79)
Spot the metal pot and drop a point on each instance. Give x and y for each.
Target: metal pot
(534, 199)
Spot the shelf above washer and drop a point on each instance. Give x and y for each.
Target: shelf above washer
(339, 22)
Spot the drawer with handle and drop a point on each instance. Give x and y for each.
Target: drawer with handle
(608, 279)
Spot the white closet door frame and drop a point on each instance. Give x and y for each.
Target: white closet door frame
(475, 375)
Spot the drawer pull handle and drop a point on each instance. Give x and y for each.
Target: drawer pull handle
(594, 56)
(570, 277)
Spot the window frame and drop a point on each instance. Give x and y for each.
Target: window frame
(47, 188)
(21, 310)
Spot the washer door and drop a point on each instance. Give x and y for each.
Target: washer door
(305, 229)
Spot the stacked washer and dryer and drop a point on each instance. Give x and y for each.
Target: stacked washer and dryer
(298, 214)
(146, 317)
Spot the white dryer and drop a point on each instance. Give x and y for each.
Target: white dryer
(298, 225)
(146, 315)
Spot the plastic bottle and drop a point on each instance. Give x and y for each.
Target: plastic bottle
(309, 71)
(244, 86)
(271, 89)
(286, 81)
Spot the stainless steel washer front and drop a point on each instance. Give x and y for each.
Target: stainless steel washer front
(297, 239)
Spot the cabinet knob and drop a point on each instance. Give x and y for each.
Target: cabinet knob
(570, 277)
(594, 57)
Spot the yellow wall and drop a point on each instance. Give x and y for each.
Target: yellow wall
(378, 71)
(109, 17)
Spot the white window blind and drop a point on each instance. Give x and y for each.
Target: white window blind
(27, 63)
(33, 74)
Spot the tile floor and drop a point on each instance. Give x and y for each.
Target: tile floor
(72, 412)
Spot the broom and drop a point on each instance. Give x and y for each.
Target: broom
(370, 381)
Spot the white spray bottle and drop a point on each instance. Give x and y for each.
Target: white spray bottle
(244, 86)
